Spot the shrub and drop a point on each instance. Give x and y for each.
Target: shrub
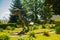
(52, 26)
(43, 25)
(12, 24)
(20, 39)
(32, 34)
(57, 25)
(35, 27)
(18, 26)
(31, 28)
(57, 29)
(46, 34)
(9, 28)
(31, 38)
(1, 30)
(4, 26)
(4, 37)
(13, 28)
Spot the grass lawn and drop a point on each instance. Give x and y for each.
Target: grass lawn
(52, 35)
(42, 37)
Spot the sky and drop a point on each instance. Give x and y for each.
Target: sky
(4, 9)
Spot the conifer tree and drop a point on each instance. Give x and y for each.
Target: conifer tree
(16, 4)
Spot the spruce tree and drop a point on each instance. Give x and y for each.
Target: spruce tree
(20, 15)
(16, 4)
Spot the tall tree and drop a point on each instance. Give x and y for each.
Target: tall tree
(46, 13)
(35, 8)
(55, 5)
(18, 14)
(32, 8)
(16, 4)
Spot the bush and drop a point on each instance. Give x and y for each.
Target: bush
(21, 39)
(4, 26)
(35, 27)
(10, 28)
(12, 24)
(46, 34)
(4, 37)
(57, 29)
(31, 28)
(43, 25)
(1, 30)
(32, 34)
(57, 25)
(13, 28)
(52, 26)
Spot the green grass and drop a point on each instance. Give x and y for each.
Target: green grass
(42, 37)
(53, 36)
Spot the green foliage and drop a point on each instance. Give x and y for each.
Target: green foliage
(57, 29)
(46, 34)
(11, 24)
(35, 27)
(32, 7)
(13, 28)
(9, 28)
(43, 26)
(46, 13)
(21, 39)
(16, 4)
(35, 8)
(31, 38)
(1, 30)
(0, 21)
(51, 21)
(32, 34)
(4, 26)
(31, 28)
(55, 5)
(4, 37)
(57, 25)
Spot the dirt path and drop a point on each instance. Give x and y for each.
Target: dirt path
(15, 34)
